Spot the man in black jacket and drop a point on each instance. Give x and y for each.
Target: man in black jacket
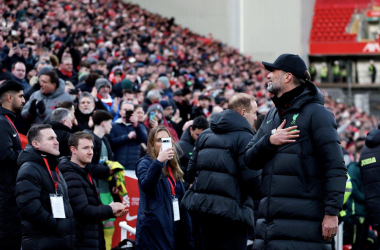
(84, 194)
(12, 102)
(220, 199)
(304, 175)
(61, 122)
(370, 169)
(186, 144)
(40, 188)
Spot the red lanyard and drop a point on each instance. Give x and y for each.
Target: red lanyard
(13, 127)
(56, 170)
(171, 179)
(89, 177)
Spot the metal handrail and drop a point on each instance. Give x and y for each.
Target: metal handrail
(125, 228)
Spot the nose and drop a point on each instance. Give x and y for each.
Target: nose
(270, 75)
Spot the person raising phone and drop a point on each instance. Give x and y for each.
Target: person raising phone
(160, 222)
(126, 136)
(155, 117)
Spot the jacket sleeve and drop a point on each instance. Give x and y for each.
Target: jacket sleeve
(191, 167)
(8, 156)
(118, 139)
(149, 175)
(28, 194)
(25, 111)
(79, 201)
(259, 150)
(99, 171)
(326, 143)
(141, 134)
(251, 179)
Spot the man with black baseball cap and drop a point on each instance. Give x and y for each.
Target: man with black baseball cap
(12, 102)
(304, 175)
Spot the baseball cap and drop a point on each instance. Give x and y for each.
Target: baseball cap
(288, 63)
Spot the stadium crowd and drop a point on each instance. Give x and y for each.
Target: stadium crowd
(123, 75)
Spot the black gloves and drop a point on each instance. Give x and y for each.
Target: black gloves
(41, 107)
(37, 105)
(33, 107)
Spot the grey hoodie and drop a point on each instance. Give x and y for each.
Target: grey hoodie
(50, 102)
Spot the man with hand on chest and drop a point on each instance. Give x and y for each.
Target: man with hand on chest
(297, 148)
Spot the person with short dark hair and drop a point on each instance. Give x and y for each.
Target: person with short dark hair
(84, 194)
(19, 73)
(221, 197)
(61, 122)
(42, 102)
(186, 144)
(297, 146)
(41, 194)
(12, 101)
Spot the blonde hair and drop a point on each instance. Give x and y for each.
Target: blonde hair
(176, 169)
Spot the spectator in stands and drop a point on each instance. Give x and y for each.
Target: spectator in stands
(372, 71)
(126, 136)
(299, 105)
(11, 53)
(84, 196)
(43, 101)
(160, 183)
(103, 87)
(155, 118)
(61, 122)
(85, 109)
(203, 109)
(12, 101)
(153, 96)
(19, 72)
(103, 153)
(37, 180)
(186, 145)
(67, 72)
(164, 85)
(228, 213)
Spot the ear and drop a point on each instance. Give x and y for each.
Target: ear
(72, 149)
(35, 144)
(243, 112)
(289, 77)
(191, 129)
(103, 123)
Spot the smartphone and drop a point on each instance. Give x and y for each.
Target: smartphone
(152, 115)
(166, 143)
(128, 115)
(14, 45)
(74, 91)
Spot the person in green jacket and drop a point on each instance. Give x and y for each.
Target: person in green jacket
(356, 210)
(324, 73)
(336, 72)
(372, 71)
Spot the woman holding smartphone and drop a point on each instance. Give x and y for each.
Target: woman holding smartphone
(161, 224)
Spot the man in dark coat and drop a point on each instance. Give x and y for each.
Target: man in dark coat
(84, 194)
(67, 72)
(370, 172)
(60, 121)
(304, 175)
(38, 181)
(221, 197)
(12, 101)
(186, 144)
(126, 137)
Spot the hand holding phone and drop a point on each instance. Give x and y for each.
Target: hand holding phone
(166, 151)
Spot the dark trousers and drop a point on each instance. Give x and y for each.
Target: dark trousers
(359, 229)
(373, 78)
(217, 233)
(10, 242)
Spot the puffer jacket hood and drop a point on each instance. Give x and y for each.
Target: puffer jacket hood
(229, 121)
(373, 138)
(30, 154)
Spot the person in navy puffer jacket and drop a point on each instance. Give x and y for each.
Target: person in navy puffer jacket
(161, 224)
